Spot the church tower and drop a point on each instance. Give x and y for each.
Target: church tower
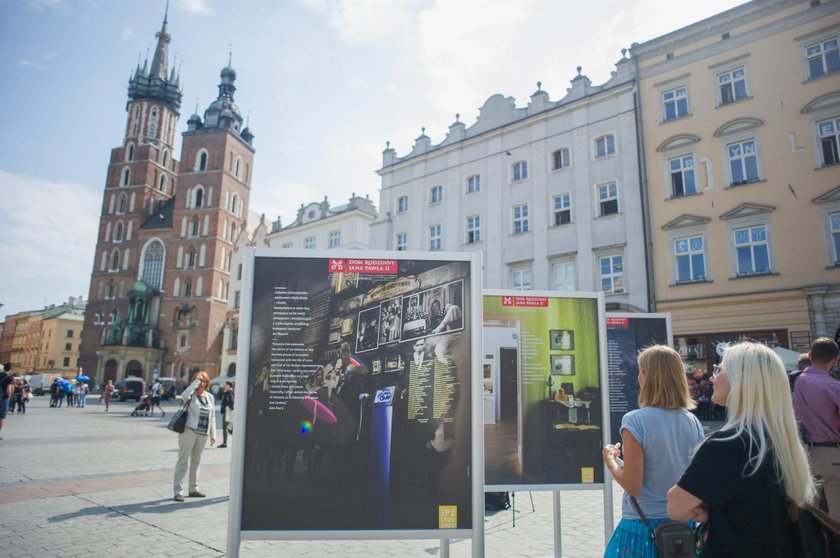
(159, 283)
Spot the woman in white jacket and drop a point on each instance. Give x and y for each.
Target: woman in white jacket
(201, 424)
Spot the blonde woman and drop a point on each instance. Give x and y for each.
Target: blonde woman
(741, 477)
(659, 438)
(201, 424)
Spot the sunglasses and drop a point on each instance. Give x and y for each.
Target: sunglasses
(717, 370)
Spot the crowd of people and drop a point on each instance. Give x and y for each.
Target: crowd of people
(779, 448)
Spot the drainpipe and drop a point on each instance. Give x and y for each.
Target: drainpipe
(643, 187)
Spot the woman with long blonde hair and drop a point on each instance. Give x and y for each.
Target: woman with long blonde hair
(740, 479)
(658, 438)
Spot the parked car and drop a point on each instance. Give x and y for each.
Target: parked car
(131, 387)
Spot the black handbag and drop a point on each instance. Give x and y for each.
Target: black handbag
(816, 534)
(673, 539)
(178, 422)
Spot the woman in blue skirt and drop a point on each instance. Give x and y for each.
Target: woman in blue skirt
(657, 442)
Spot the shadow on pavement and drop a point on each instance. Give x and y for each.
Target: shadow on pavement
(153, 506)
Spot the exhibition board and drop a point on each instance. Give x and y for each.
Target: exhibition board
(627, 335)
(544, 390)
(355, 405)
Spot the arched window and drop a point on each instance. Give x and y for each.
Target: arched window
(100, 290)
(129, 152)
(115, 260)
(199, 197)
(112, 293)
(194, 227)
(165, 159)
(233, 232)
(162, 185)
(153, 122)
(188, 288)
(135, 120)
(118, 232)
(191, 259)
(152, 259)
(237, 169)
(201, 160)
(122, 204)
(233, 203)
(122, 288)
(126, 177)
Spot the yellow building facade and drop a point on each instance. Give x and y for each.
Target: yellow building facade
(740, 127)
(59, 344)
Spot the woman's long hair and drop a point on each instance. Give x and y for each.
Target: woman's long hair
(759, 404)
(665, 385)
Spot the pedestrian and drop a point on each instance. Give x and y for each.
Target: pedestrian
(741, 477)
(227, 411)
(20, 396)
(77, 391)
(201, 424)
(6, 381)
(106, 394)
(658, 440)
(83, 391)
(156, 391)
(816, 399)
(60, 393)
(54, 389)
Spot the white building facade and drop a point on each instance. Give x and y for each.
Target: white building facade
(549, 193)
(319, 226)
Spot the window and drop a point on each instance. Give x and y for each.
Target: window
(286, 246)
(560, 159)
(743, 162)
(402, 204)
(834, 219)
(563, 209)
(153, 122)
(675, 103)
(234, 338)
(233, 204)
(236, 298)
(118, 232)
(473, 184)
(201, 160)
(69, 334)
(683, 181)
(435, 237)
(188, 288)
(823, 58)
(402, 242)
(732, 86)
(473, 229)
(195, 226)
(691, 259)
(520, 218)
(604, 146)
(153, 265)
(66, 362)
(182, 342)
(126, 177)
(191, 259)
(162, 184)
(436, 195)
(608, 198)
(830, 141)
(199, 197)
(115, 260)
(122, 204)
(520, 171)
(68, 346)
(129, 156)
(237, 168)
(752, 250)
(238, 270)
(309, 243)
(520, 279)
(335, 239)
(612, 274)
(564, 276)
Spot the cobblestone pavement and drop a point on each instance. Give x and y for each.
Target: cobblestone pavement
(83, 482)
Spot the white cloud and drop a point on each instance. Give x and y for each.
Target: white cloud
(365, 21)
(49, 233)
(47, 4)
(127, 33)
(197, 7)
(31, 64)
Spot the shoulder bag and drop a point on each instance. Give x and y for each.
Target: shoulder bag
(816, 534)
(673, 539)
(178, 422)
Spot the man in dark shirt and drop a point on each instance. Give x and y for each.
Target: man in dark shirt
(7, 382)
(227, 411)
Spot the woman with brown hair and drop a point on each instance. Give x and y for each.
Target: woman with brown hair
(658, 439)
(201, 424)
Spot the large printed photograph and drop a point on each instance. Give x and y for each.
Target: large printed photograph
(542, 391)
(358, 414)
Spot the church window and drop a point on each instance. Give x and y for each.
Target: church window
(233, 232)
(118, 232)
(194, 228)
(191, 259)
(188, 288)
(237, 170)
(162, 185)
(115, 260)
(122, 288)
(112, 292)
(165, 159)
(233, 201)
(129, 152)
(126, 177)
(135, 120)
(153, 122)
(201, 160)
(152, 260)
(199, 197)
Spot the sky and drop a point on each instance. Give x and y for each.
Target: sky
(324, 84)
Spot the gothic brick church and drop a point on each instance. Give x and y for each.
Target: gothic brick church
(161, 272)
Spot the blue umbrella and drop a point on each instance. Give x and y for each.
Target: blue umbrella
(82, 378)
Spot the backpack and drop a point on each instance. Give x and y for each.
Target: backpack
(160, 390)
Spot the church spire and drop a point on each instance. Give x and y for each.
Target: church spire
(160, 62)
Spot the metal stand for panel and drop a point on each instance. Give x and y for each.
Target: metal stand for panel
(444, 548)
(513, 504)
